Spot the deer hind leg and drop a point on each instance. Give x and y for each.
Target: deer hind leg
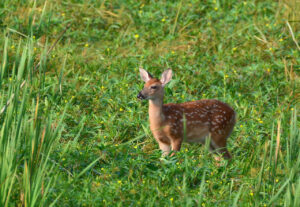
(218, 144)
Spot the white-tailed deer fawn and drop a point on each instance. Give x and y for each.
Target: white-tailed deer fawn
(193, 121)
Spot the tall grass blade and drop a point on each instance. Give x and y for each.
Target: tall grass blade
(276, 196)
(87, 168)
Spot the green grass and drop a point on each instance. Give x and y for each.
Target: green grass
(75, 135)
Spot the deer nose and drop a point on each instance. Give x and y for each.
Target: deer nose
(140, 96)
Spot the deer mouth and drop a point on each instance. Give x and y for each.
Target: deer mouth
(141, 96)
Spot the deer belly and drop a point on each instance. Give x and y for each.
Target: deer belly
(197, 135)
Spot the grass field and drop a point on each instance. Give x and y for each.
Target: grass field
(72, 132)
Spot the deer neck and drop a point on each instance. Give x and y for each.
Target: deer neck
(156, 115)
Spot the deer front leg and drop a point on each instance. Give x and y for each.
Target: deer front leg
(165, 148)
(176, 145)
(163, 142)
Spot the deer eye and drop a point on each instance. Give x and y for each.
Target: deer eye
(153, 87)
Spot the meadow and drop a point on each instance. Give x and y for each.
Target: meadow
(72, 132)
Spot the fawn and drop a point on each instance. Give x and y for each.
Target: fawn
(193, 121)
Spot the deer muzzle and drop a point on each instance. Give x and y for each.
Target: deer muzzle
(141, 96)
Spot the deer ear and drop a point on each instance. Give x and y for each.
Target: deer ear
(166, 77)
(145, 75)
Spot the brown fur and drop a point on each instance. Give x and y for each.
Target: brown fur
(191, 121)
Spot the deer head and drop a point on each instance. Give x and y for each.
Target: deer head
(154, 88)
